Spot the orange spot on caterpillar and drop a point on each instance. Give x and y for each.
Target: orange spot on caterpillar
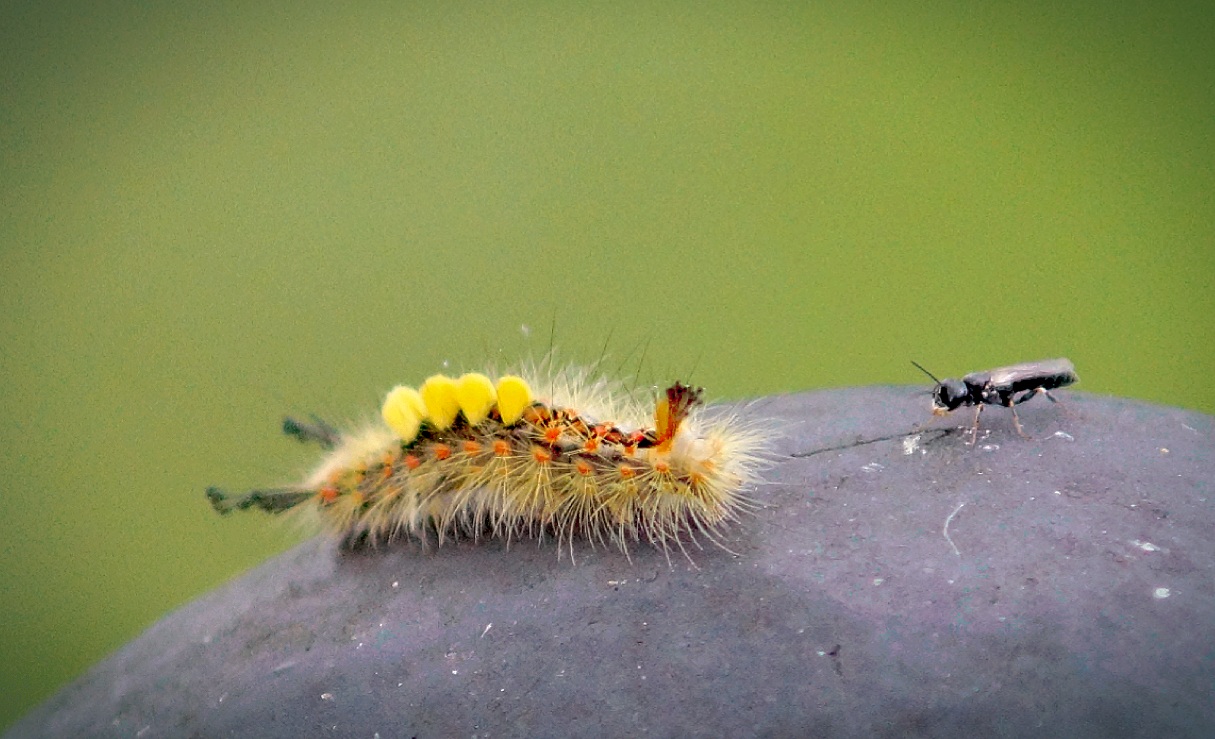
(387, 465)
(542, 455)
(501, 447)
(662, 466)
(412, 462)
(584, 467)
(328, 494)
(591, 446)
(441, 451)
(472, 447)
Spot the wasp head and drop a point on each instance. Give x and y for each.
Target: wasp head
(948, 395)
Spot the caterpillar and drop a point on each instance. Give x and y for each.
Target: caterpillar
(469, 456)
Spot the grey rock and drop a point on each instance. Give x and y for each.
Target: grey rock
(889, 585)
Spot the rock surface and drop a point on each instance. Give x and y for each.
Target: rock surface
(908, 586)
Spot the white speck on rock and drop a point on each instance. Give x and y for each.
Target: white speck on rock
(1161, 593)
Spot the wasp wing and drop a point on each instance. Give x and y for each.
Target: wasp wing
(1047, 374)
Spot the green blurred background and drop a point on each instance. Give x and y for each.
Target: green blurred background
(213, 215)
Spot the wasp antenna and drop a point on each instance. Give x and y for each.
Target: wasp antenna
(920, 367)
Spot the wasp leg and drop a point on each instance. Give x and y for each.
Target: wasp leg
(1049, 396)
(1065, 407)
(974, 428)
(1028, 394)
(1017, 422)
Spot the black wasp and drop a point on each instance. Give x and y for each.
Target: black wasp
(1006, 386)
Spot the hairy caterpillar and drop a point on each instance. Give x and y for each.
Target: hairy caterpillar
(466, 456)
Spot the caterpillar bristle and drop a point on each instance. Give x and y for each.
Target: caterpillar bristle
(471, 457)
